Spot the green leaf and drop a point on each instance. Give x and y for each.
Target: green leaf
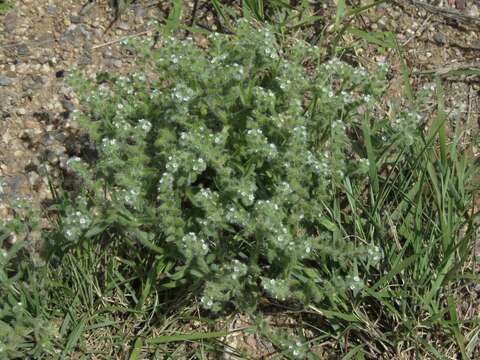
(196, 336)
(340, 12)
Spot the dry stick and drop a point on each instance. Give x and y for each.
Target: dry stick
(192, 20)
(469, 108)
(447, 13)
(443, 71)
(121, 39)
(420, 30)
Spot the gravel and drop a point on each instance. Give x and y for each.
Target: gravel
(5, 81)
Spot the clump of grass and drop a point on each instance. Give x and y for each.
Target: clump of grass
(5, 6)
(246, 173)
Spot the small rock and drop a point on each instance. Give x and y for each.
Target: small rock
(68, 105)
(22, 50)
(86, 33)
(461, 4)
(75, 19)
(52, 158)
(64, 115)
(61, 136)
(60, 74)
(26, 135)
(33, 178)
(440, 38)
(46, 116)
(63, 160)
(45, 68)
(86, 8)
(117, 63)
(123, 26)
(15, 183)
(47, 140)
(33, 164)
(140, 12)
(45, 40)
(59, 150)
(473, 11)
(51, 9)
(5, 81)
(85, 60)
(44, 169)
(44, 59)
(21, 111)
(10, 22)
(34, 82)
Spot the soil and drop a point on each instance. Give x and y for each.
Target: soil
(42, 41)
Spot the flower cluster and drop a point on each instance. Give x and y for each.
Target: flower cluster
(192, 246)
(75, 224)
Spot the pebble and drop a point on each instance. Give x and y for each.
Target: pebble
(63, 160)
(5, 81)
(68, 105)
(473, 11)
(123, 26)
(440, 38)
(26, 135)
(47, 140)
(45, 116)
(33, 164)
(22, 50)
(33, 178)
(86, 8)
(140, 12)
(116, 62)
(35, 82)
(52, 158)
(44, 169)
(85, 60)
(61, 136)
(10, 22)
(59, 150)
(461, 4)
(75, 19)
(51, 9)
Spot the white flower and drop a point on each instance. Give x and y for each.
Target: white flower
(145, 125)
(68, 233)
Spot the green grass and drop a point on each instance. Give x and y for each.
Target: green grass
(99, 299)
(5, 6)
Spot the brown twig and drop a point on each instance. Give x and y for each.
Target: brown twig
(466, 73)
(447, 13)
(447, 69)
(420, 30)
(121, 39)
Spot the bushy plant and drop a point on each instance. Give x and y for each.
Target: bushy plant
(24, 331)
(227, 161)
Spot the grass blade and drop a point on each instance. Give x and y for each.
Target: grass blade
(185, 337)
